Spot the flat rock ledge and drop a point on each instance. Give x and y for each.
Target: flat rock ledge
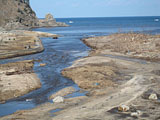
(21, 42)
(135, 45)
(63, 92)
(17, 79)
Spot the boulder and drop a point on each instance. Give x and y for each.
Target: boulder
(49, 17)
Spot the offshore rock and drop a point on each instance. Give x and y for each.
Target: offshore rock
(49, 21)
(17, 14)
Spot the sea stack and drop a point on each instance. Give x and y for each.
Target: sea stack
(17, 14)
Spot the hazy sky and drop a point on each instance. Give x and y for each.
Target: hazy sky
(96, 8)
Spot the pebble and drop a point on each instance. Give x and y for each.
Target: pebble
(153, 97)
(123, 108)
(136, 114)
(58, 99)
(28, 100)
(42, 64)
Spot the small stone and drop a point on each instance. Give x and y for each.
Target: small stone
(55, 37)
(58, 99)
(152, 78)
(28, 100)
(136, 114)
(123, 108)
(42, 64)
(153, 97)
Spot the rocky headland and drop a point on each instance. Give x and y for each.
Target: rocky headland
(17, 14)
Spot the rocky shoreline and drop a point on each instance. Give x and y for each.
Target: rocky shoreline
(118, 88)
(18, 15)
(136, 45)
(20, 42)
(13, 44)
(17, 79)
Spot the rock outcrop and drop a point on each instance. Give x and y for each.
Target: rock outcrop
(21, 42)
(49, 21)
(17, 79)
(135, 45)
(17, 14)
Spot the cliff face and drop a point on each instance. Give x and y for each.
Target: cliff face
(16, 13)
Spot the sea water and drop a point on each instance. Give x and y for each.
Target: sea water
(60, 53)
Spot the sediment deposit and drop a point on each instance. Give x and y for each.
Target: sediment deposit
(137, 45)
(21, 42)
(17, 79)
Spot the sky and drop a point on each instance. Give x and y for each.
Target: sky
(96, 8)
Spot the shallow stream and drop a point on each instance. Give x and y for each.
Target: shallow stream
(60, 53)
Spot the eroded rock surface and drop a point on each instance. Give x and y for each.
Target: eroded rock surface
(17, 14)
(21, 42)
(49, 21)
(63, 92)
(17, 79)
(130, 44)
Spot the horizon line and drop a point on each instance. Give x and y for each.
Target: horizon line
(103, 17)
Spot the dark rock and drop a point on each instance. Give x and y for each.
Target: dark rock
(55, 37)
(17, 14)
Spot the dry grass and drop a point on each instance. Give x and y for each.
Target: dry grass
(93, 76)
(128, 43)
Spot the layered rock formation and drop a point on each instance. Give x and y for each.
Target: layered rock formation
(21, 42)
(49, 21)
(17, 14)
(17, 79)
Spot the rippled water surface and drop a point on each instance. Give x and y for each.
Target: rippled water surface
(60, 53)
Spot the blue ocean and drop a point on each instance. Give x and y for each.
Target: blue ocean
(62, 52)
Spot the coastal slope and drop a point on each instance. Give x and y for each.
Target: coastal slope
(17, 14)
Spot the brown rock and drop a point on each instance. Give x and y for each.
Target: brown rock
(19, 82)
(43, 64)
